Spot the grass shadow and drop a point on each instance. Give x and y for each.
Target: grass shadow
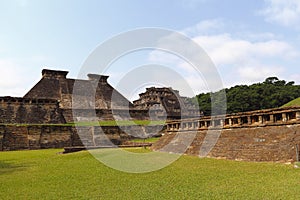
(7, 167)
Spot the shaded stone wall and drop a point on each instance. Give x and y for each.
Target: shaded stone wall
(105, 114)
(14, 137)
(93, 135)
(263, 135)
(34, 137)
(34, 111)
(270, 143)
(273, 143)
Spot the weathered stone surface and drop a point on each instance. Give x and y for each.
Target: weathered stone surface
(33, 111)
(34, 137)
(29, 122)
(14, 137)
(271, 143)
(166, 103)
(95, 93)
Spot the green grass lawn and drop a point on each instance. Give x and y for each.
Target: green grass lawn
(44, 174)
(147, 140)
(295, 102)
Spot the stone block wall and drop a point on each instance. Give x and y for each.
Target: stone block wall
(270, 143)
(105, 114)
(20, 137)
(34, 111)
(117, 135)
(34, 137)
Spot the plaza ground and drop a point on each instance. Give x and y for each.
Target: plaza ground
(45, 174)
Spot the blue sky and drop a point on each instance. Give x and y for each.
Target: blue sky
(248, 41)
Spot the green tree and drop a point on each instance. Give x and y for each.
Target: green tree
(271, 93)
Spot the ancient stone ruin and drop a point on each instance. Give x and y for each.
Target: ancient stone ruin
(264, 135)
(45, 116)
(167, 101)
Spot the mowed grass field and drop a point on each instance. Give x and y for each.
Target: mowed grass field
(44, 174)
(295, 102)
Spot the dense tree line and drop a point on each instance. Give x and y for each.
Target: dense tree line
(271, 93)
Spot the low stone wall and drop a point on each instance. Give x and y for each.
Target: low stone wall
(34, 111)
(34, 137)
(18, 137)
(268, 117)
(270, 143)
(91, 136)
(105, 114)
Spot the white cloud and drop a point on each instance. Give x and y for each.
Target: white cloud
(195, 78)
(163, 57)
(224, 49)
(239, 59)
(257, 36)
(19, 74)
(12, 78)
(197, 84)
(258, 72)
(204, 27)
(284, 12)
(295, 77)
